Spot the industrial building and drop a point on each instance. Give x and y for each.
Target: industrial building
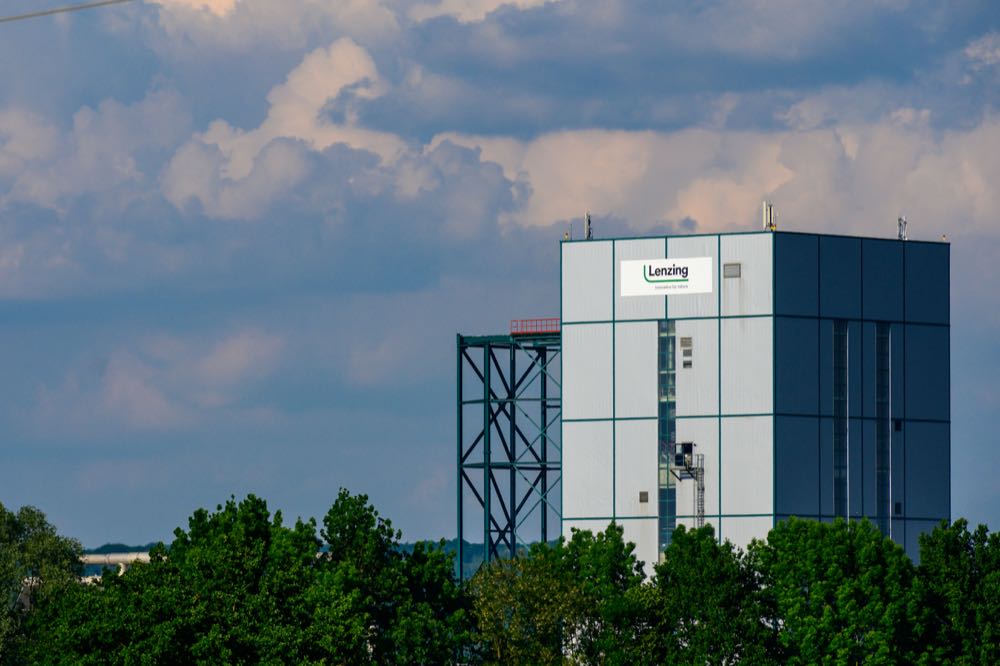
(730, 379)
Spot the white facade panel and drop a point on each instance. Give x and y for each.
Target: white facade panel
(586, 388)
(747, 366)
(637, 307)
(751, 293)
(587, 281)
(747, 465)
(705, 435)
(643, 533)
(697, 367)
(741, 531)
(587, 469)
(635, 468)
(695, 305)
(636, 346)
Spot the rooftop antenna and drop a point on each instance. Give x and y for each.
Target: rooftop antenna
(588, 232)
(901, 226)
(769, 217)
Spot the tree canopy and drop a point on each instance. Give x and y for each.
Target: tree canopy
(241, 586)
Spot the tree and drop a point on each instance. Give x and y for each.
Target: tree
(36, 564)
(959, 586)
(571, 600)
(525, 608)
(230, 589)
(240, 587)
(705, 605)
(842, 591)
(383, 605)
(608, 578)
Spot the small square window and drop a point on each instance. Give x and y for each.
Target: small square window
(897, 425)
(687, 364)
(731, 270)
(686, 343)
(687, 352)
(643, 496)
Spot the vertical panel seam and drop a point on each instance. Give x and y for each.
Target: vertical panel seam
(718, 383)
(614, 387)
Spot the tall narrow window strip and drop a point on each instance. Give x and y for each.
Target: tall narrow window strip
(667, 431)
(883, 431)
(840, 415)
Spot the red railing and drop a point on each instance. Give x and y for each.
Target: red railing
(534, 326)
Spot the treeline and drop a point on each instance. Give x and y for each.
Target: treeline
(239, 586)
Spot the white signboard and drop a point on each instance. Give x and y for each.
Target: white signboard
(662, 277)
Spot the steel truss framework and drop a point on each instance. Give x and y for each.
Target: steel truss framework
(509, 449)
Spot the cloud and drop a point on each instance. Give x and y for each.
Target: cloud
(236, 173)
(853, 178)
(467, 11)
(984, 51)
(160, 384)
(102, 152)
(241, 25)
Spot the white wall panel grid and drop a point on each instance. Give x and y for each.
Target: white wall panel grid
(697, 385)
(635, 469)
(695, 305)
(752, 292)
(636, 347)
(586, 371)
(587, 469)
(587, 281)
(637, 307)
(643, 533)
(740, 531)
(705, 435)
(747, 365)
(747, 465)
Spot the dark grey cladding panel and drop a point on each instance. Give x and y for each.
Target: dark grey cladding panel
(840, 277)
(797, 347)
(795, 274)
(927, 372)
(928, 471)
(797, 458)
(927, 282)
(882, 278)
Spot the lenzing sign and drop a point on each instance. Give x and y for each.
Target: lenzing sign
(659, 277)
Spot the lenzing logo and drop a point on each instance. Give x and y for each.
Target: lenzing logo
(660, 277)
(672, 273)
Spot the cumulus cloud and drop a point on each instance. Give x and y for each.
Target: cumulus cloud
(467, 11)
(853, 178)
(101, 153)
(235, 172)
(238, 25)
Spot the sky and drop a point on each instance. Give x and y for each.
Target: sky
(238, 237)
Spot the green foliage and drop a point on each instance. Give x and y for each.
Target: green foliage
(36, 565)
(576, 599)
(842, 592)
(705, 605)
(240, 587)
(525, 608)
(959, 587)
